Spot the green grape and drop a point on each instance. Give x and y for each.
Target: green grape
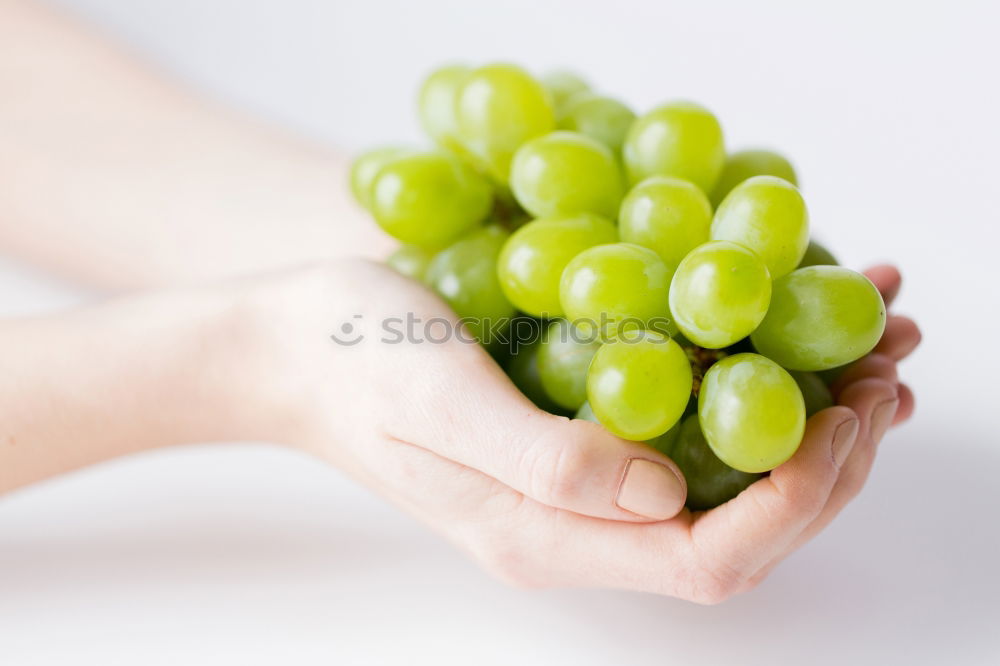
(668, 215)
(429, 199)
(533, 260)
(601, 118)
(639, 384)
(667, 441)
(767, 215)
(710, 481)
(681, 340)
(832, 375)
(815, 392)
(563, 360)
(499, 108)
(464, 275)
(522, 368)
(563, 173)
(586, 413)
(681, 139)
(411, 261)
(436, 105)
(747, 164)
(366, 167)
(817, 255)
(821, 317)
(562, 85)
(752, 412)
(616, 287)
(719, 294)
(664, 443)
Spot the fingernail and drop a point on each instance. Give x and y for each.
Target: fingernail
(650, 489)
(843, 440)
(882, 418)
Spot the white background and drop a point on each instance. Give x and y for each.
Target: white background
(248, 555)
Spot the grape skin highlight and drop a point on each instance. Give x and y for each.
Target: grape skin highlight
(563, 173)
(436, 105)
(563, 85)
(464, 275)
(614, 286)
(532, 262)
(429, 199)
(411, 261)
(499, 107)
(670, 216)
(745, 164)
(719, 294)
(365, 168)
(601, 118)
(563, 360)
(710, 482)
(639, 385)
(680, 139)
(752, 412)
(769, 216)
(821, 317)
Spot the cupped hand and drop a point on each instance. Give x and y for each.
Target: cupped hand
(430, 404)
(537, 499)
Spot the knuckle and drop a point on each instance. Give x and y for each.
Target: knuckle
(563, 454)
(805, 498)
(716, 584)
(755, 580)
(793, 499)
(852, 480)
(875, 365)
(564, 457)
(506, 560)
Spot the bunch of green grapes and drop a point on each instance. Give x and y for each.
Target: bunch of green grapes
(677, 295)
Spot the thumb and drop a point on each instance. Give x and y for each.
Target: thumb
(459, 404)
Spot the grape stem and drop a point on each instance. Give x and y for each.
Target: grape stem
(701, 360)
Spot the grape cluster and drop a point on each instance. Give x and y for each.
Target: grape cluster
(682, 301)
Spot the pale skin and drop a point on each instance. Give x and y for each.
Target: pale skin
(243, 253)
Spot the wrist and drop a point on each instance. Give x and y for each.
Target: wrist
(106, 381)
(291, 383)
(266, 341)
(224, 371)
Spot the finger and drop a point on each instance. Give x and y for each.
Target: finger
(459, 404)
(743, 535)
(900, 338)
(874, 401)
(888, 281)
(907, 403)
(529, 543)
(873, 365)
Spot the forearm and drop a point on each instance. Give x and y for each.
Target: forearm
(119, 177)
(135, 374)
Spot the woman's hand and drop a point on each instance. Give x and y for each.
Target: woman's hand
(537, 499)
(390, 405)
(437, 428)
